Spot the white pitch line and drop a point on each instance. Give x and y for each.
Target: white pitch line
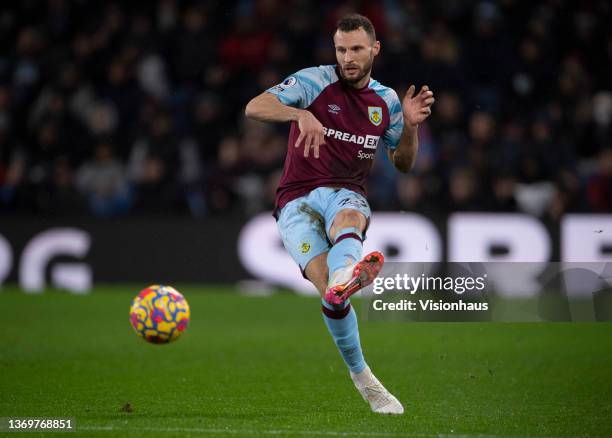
(284, 432)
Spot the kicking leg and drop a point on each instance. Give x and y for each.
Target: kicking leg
(347, 275)
(346, 233)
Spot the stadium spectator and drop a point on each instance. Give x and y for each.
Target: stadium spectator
(104, 183)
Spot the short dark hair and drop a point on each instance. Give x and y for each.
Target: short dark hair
(352, 22)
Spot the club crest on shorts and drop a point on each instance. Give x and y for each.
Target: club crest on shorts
(375, 113)
(305, 247)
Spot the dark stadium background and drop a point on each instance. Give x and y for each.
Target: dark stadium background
(116, 109)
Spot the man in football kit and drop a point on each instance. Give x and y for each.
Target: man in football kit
(338, 116)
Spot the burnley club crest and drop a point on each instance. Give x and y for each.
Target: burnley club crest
(375, 113)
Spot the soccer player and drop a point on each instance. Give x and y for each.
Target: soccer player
(339, 115)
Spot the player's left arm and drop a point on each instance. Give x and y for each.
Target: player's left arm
(415, 109)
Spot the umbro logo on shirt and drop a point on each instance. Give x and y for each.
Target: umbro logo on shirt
(333, 108)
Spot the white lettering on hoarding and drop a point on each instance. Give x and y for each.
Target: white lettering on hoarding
(6, 259)
(42, 248)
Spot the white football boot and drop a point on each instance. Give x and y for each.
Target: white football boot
(381, 401)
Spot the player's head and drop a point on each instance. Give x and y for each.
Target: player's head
(356, 47)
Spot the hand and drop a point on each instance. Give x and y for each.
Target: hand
(417, 108)
(311, 132)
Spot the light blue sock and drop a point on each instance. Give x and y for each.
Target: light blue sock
(347, 249)
(341, 321)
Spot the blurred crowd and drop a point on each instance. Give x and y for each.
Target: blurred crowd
(113, 108)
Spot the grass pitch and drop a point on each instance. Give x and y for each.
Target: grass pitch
(250, 366)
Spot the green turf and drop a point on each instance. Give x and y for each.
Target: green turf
(254, 366)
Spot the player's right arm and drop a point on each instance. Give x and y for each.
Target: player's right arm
(267, 108)
(289, 102)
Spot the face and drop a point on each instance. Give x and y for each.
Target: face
(355, 52)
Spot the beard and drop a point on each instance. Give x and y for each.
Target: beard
(363, 72)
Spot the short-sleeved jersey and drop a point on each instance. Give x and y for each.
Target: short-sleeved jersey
(355, 122)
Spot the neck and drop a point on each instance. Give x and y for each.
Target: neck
(358, 85)
(362, 83)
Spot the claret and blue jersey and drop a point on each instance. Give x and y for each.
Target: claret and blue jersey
(355, 122)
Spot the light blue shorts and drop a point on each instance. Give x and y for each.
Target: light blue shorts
(304, 223)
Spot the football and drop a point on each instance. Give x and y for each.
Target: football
(159, 314)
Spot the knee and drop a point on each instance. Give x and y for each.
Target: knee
(349, 218)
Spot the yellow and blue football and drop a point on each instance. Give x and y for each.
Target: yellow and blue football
(159, 314)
